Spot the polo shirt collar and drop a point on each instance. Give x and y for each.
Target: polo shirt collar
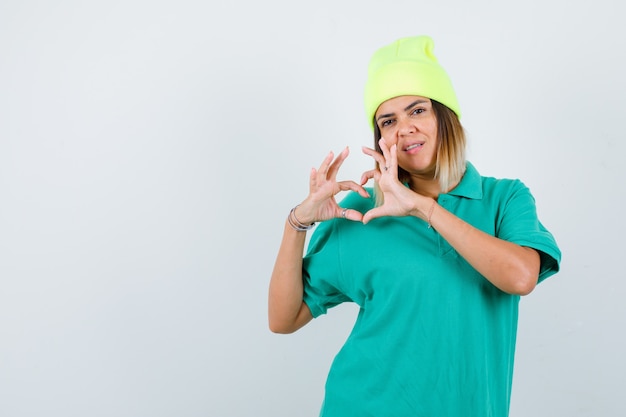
(470, 185)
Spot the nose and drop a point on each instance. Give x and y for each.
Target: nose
(405, 126)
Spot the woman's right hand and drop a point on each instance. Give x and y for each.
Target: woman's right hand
(320, 204)
(287, 312)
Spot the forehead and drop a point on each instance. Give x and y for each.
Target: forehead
(396, 104)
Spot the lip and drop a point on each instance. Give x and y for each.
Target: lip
(414, 147)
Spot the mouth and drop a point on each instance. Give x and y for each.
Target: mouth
(414, 146)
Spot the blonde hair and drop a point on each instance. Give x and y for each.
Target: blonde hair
(451, 142)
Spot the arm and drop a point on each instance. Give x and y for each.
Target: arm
(287, 311)
(510, 267)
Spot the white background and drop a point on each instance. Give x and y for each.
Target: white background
(151, 150)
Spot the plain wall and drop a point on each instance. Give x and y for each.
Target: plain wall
(151, 150)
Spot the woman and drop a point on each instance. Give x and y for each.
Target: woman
(436, 256)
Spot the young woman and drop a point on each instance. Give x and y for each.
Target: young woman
(436, 256)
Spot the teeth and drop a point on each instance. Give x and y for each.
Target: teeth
(413, 146)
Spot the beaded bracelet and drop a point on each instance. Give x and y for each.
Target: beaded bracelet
(296, 224)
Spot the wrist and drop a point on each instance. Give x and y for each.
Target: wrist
(424, 209)
(429, 214)
(296, 223)
(303, 215)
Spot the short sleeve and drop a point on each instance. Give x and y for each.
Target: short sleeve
(518, 223)
(321, 271)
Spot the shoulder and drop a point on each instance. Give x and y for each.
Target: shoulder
(497, 193)
(503, 185)
(500, 189)
(473, 185)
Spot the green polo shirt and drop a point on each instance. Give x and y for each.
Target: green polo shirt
(433, 337)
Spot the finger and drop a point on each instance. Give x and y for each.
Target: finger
(334, 167)
(367, 149)
(393, 161)
(353, 186)
(377, 156)
(386, 153)
(373, 214)
(368, 175)
(313, 179)
(323, 169)
(321, 172)
(351, 214)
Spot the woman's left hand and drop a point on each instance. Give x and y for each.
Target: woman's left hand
(398, 200)
(510, 267)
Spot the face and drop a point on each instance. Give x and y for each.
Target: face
(410, 123)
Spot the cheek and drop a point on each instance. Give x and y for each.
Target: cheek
(391, 140)
(432, 126)
(390, 136)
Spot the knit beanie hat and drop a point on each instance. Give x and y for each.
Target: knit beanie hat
(407, 67)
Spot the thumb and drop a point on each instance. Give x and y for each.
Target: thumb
(372, 214)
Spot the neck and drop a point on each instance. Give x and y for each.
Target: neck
(426, 187)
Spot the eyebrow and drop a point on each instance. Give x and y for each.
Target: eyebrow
(407, 108)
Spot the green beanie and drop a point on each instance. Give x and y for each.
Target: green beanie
(407, 67)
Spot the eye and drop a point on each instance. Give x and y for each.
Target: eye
(386, 123)
(418, 110)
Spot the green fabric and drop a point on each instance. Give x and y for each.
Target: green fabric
(433, 337)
